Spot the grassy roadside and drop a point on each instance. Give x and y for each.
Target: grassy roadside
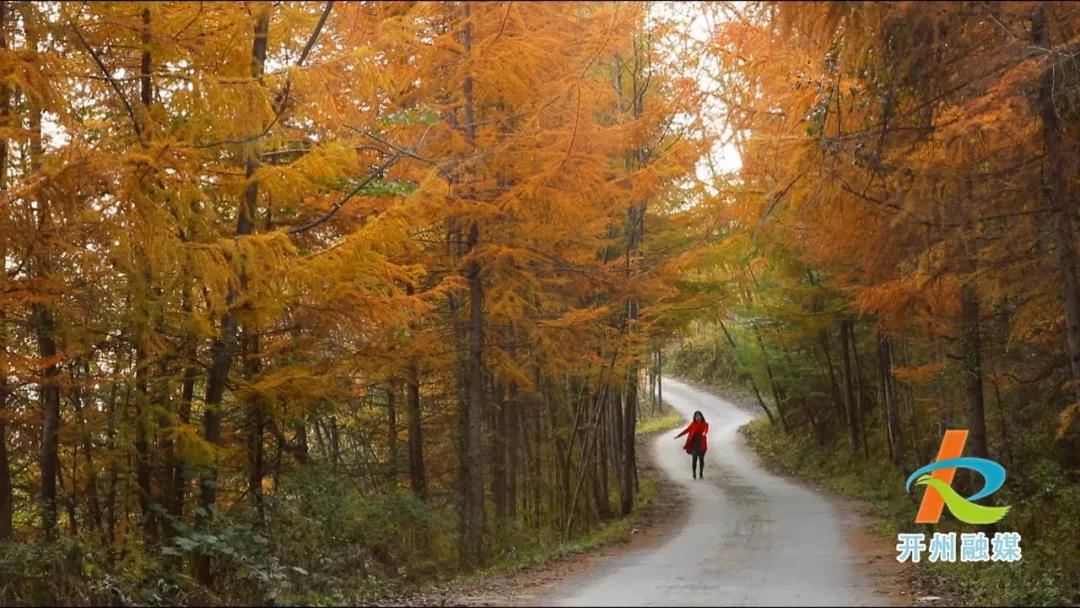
(660, 424)
(525, 552)
(613, 531)
(1038, 579)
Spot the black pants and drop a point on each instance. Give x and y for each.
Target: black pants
(697, 463)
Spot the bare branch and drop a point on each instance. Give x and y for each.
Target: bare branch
(348, 196)
(282, 98)
(108, 76)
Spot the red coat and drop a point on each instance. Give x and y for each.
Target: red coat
(693, 429)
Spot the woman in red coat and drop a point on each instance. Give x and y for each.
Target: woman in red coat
(697, 443)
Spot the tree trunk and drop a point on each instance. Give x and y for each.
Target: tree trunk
(777, 397)
(392, 434)
(473, 495)
(605, 450)
(749, 376)
(971, 345)
(498, 455)
(660, 376)
(849, 389)
(5, 467)
(617, 437)
(417, 475)
(50, 403)
(629, 462)
(256, 428)
(838, 399)
(91, 469)
(225, 343)
(860, 405)
(180, 465)
(888, 397)
(44, 327)
(142, 449)
(513, 442)
(143, 466)
(110, 485)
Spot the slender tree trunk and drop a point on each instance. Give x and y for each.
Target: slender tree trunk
(50, 401)
(91, 470)
(651, 369)
(417, 475)
(860, 405)
(142, 448)
(473, 507)
(335, 440)
(70, 497)
(513, 454)
(180, 465)
(749, 376)
(660, 376)
(777, 397)
(392, 433)
(44, 329)
(245, 224)
(605, 450)
(617, 440)
(1006, 441)
(527, 456)
(849, 388)
(143, 465)
(888, 397)
(225, 344)
(111, 482)
(971, 345)
(629, 462)
(256, 428)
(5, 466)
(599, 472)
(838, 400)
(498, 456)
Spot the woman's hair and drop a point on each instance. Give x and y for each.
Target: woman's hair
(698, 414)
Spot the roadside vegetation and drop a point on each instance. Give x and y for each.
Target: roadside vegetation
(1045, 576)
(898, 257)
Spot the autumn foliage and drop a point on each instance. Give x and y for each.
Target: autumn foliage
(413, 257)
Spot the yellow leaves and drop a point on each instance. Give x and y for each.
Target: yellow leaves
(321, 167)
(291, 384)
(578, 317)
(920, 375)
(190, 445)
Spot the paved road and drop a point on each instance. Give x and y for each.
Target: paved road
(751, 537)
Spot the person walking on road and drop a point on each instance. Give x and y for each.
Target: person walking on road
(696, 443)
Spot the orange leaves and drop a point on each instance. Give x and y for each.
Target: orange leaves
(921, 375)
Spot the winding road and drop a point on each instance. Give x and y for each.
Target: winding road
(750, 538)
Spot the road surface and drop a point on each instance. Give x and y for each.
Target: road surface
(750, 538)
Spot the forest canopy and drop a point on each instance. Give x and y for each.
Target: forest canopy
(303, 301)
